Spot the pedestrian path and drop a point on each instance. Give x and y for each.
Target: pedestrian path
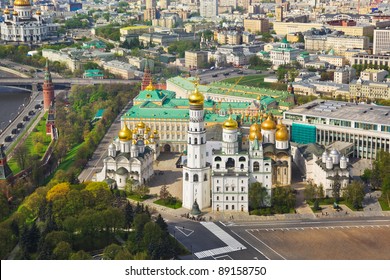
(232, 244)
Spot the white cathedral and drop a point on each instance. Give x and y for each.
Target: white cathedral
(130, 156)
(22, 25)
(224, 183)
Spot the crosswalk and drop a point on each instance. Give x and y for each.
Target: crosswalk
(232, 244)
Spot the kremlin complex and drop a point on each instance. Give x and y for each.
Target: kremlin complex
(217, 171)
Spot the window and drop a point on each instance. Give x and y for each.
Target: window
(241, 159)
(201, 140)
(226, 189)
(186, 177)
(230, 163)
(196, 156)
(232, 207)
(196, 141)
(196, 178)
(232, 189)
(217, 166)
(189, 140)
(256, 166)
(217, 197)
(217, 159)
(227, 198)
(232, 197)
(242, 198)
(227, 207)
(242, 166)
(242, 189)
(218, 189)
(205, 177)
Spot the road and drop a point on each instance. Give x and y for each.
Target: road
(35, 98)
(73, 81)
(206, 76)
(95, 164)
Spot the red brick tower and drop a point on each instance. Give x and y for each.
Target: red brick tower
(48, 89)
(147, 78)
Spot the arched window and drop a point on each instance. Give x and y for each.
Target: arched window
(201, 140)
(242, 166)
(196, 178)
(256, 166)
(217, 159)
(230, 163)
(242, 198)
(241, 159)
(186, 177)
(227, 207)
(217, 197)
(196, 141)
(189, 140)
(227, 198)
(217, 166)
(205, 177)
(232, 207)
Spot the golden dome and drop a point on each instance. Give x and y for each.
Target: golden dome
(150, 86)
(125, 134)
(6, 11)
(254, 134)
(15, 13)
(230, 124)
(258, 97)
(282, 134)
(151, 136)
(268, 124)
(155, 131)
(196, 98)
(280, 125)
(254, 128)
(22, 3)
(141, 124)
(38, 13)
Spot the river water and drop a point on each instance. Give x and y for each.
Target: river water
(10, 101)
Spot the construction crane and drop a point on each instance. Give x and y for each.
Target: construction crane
(233, 86)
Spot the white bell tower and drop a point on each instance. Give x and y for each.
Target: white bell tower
(196, 174)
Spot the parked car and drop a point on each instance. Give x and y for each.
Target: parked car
(8, 138)
(37, 106)
(14, 131)
(26, 118)
(19, 125)
(31, 113)
(214, 75)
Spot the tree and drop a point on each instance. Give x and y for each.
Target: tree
(62, 251)
(283, 199)
(161, 223)
(80, 255)
(111, 251)
(21, 155)
(141, 191)
(336, 188)
(129, 215)
(258, 196)
(164, 193)
(354, 193)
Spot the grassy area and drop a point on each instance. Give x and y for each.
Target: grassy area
(70, 157)
(136, 197)
(176, 205)
(256, 81)
(384, 204)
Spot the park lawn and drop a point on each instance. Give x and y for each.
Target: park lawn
(384, 204)
(175, 205)
(138, 198)
(255, 81)
(70, 157)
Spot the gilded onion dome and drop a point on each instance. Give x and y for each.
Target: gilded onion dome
(268, 124)
(151, 136)
(230, 124)
(125, 134)
(196, 98)
(141, 124)
(282, 134)
(254, 128)
(255, 134)
(280, 125)
(150, 87)
(155, 131)
(21, 3)
(38, 13)
(6, 11)
(15, 13)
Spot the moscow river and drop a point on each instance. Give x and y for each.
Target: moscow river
(11, 101)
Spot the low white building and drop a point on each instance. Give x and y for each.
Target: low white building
(284, 54)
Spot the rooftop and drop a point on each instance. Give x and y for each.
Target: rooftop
(369, 113)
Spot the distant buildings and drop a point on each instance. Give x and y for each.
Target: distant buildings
(344, 75)
(255, 25)
(375, 75)
(363, 90)
(284, 54)
(371, 59)
(338, 43)
(381, 41)
(195, 59)
(208, 8)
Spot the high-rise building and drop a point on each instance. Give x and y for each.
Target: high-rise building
(150, 4)
(381, 41)
(208, 8)
(196, 173)
(48, 89)
(279, 13)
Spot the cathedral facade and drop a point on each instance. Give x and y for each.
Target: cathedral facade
(224, 183)
(130, 156)
(23, 25)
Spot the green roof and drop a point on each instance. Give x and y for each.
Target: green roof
(90, 73)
